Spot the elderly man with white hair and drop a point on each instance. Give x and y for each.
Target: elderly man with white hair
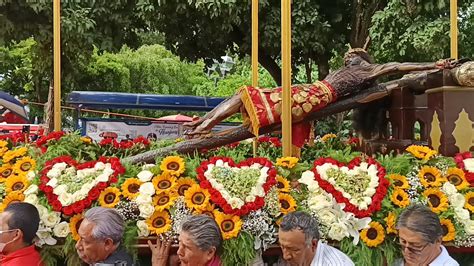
(100, 235)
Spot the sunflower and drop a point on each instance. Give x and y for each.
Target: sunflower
(421, 152)
(3, 143)
(282, 184)
(24, 165)
(436, 199)
(469, 201)
(400, 198)
(374, 235)
(287, 203)
(209, 210)
(390, 220)
(287, 162)
(159, 222)
(17, 183)
(164, 200)
(3, 147)
(109, 197)
(5, 171)
(10, 155)
(449, 232)
(196, 197)
(130, 188)
(229, 224)
(173, 165)
(456, 177)
(164, 183)
(11, 197)
(430, 177)
(328, 137)
(399, 181)
(86, 140)
(74, 224)
(183, 184)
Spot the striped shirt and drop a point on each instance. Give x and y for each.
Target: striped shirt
(330, 256)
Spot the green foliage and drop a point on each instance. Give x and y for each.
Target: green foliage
(51, 254)
(396, 163)
(69, 249)
(130, 237)
(239, 250)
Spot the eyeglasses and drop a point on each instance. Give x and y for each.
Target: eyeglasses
(413, 250)
(6, 231)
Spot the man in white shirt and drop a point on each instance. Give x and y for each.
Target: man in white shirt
(299, 241)
(420, 234)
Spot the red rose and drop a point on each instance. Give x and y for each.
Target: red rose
(69, 211)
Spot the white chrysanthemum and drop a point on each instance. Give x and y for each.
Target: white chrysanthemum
(145, 176)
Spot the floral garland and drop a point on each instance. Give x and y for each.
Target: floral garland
(220, 195)
(97, 174)
(370, 199)
(466, 163)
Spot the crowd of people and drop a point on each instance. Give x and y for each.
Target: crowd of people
(200, 240)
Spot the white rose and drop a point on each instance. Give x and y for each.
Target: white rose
(145, 176)
(53, 182)
(338, 231)
(60, 189)
(41, 210)
(60, 166)
(148, 166)
(462, 214)
(65, 199)
(250, 198)
(143, 199)
(236, 203)
(369, 192)
(469, 164)
(32, 199)
(46, 238)
(326, 216)
(469, 227)
(449, 189)
(104, 177)
(307, 178)
(51, 219)
(258, 191)
(99, 166)
(147, 188)
(142, 228)
(31, 175)
(318, 202)
(457, 201)
(146, 210)
(61, 229)
(32, 189)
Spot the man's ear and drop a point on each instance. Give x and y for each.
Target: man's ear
(212, 252)
(19, 235)
(314, 244)
(109, 244)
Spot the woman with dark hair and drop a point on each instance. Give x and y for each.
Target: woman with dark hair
(200, 241)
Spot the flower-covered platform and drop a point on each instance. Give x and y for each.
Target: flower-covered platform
(356, 198)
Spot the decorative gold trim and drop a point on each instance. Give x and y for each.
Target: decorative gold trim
(463, 133)
(435, 133)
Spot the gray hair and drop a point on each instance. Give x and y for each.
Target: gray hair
(303, 221)
(204, 231)
(107, 223)
(420, 219)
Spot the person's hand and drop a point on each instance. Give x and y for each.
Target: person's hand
(447, 63)
(160, 252)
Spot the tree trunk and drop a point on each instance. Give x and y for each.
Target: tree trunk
(362, 12)
(270, 65)
(308, 66)
(49, 109)
(323, 67)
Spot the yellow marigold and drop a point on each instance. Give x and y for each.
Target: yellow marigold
(287, 203)
(391, 220)
(449, 232)
(399, 181)
(400, 198)
(430, 177)
(173, 165)
(196, 197)
(164, 183)
(74, 224)
(24, 165)
(328, 137)
(10, 155)
(374, 235)
(164, 200)
(437, 200)
(109, 197)
(421, 152)
(229, 224)
(159, 222)
(183, 184)
(457, 177)
(469, 201)
(18, 183)
(287, 162)
(130, 188)
(283, 184)
(5, 171)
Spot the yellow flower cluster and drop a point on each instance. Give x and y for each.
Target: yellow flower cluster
(421, 152)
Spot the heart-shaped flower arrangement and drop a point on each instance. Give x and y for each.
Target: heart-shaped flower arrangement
(71, 187)
(466, 163)
(360, 185)
(237, 188)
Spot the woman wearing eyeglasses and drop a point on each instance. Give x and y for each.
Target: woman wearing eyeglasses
(420, 234)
